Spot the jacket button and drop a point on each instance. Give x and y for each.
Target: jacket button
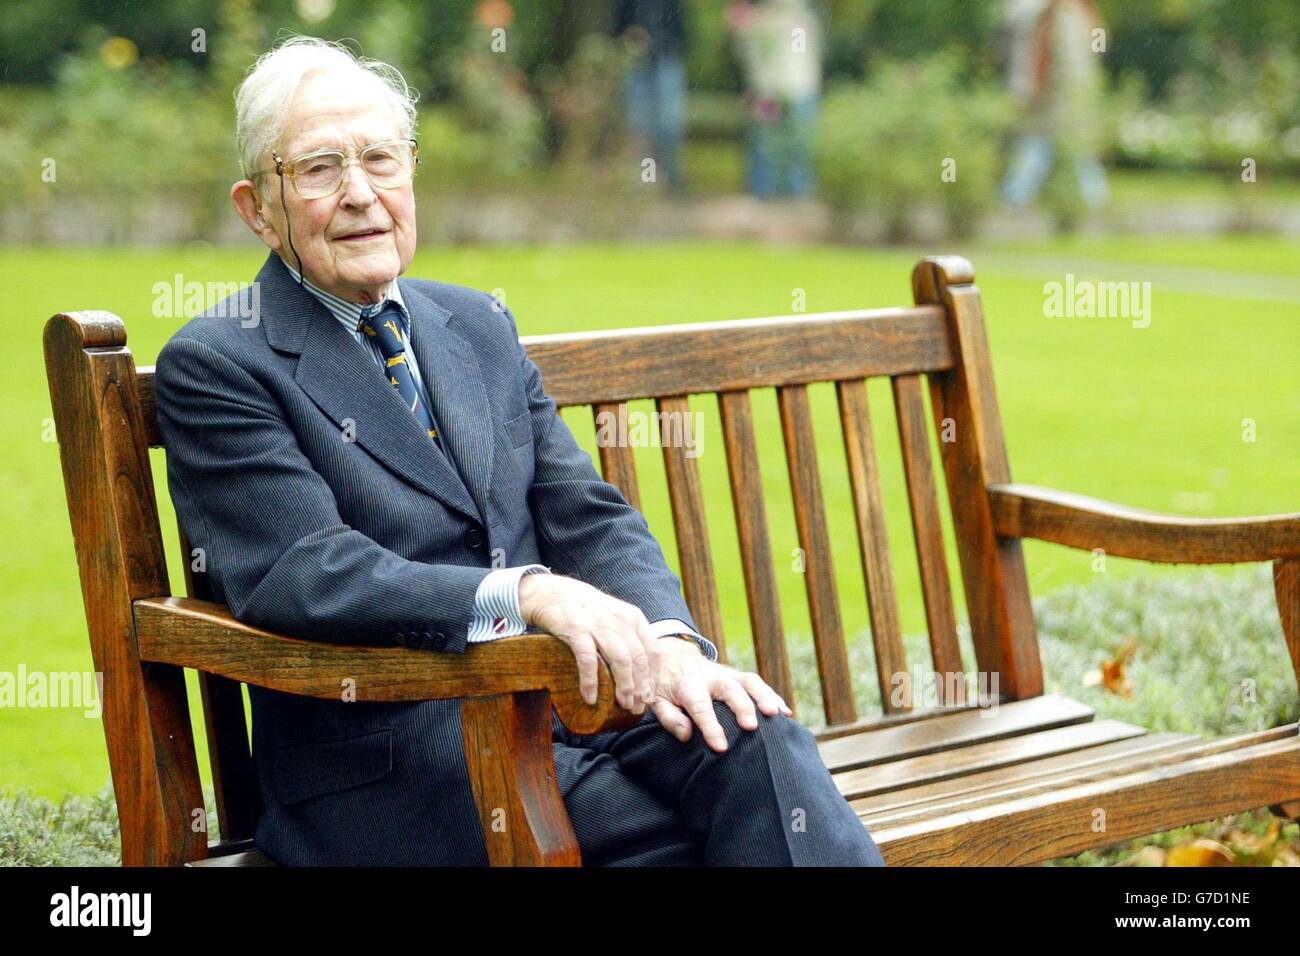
(440, 640)
(473, 538)
(401, 637)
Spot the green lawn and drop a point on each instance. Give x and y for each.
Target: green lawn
(1150, 417)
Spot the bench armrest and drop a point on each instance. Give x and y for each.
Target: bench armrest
(187, 632)
(1077, 521)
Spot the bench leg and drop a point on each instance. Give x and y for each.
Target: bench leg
(507, 741)
(1286, 585)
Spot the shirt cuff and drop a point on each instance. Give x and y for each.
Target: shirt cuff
(673, 626)
(496, 604)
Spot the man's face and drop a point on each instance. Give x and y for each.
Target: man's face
(354, 242)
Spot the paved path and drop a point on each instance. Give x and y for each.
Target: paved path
(1232, 285)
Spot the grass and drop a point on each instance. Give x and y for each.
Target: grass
(1150, 417)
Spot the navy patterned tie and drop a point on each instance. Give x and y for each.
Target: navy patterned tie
(382, 326)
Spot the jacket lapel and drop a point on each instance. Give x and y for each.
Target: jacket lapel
(457, 395)
(338, 375)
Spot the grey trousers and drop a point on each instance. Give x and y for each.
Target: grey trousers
(641, 797)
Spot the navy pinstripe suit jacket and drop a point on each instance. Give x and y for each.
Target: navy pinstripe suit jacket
(377, 540)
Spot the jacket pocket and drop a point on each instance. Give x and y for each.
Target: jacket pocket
(311, 769)
(520, 429)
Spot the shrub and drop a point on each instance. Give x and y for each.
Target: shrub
(120, 133)
(881, 145)
(499, 119)
(584, 99)
(79, 831)
(1241, 107)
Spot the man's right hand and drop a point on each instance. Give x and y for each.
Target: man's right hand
(594, 625)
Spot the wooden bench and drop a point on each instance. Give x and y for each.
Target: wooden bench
(949, 784)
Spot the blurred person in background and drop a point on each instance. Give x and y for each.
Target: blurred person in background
(780, 45)
(655, 31)
(1055, 76)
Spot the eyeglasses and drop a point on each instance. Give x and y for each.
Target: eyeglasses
(319, 174)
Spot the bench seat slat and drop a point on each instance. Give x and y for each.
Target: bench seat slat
(939, 796)
(946, 764)
(1096, 763)
(1045, 825)
(949, 731)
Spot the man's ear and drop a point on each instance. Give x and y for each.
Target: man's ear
(248, 203)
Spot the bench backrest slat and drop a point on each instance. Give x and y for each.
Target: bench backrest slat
(584, 368)
(914, 439)
(616, 463)
(817, 556)
(938, 343)
(761, 592)
(873, 540)
(690, 521)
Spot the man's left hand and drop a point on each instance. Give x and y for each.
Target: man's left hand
(688, 683)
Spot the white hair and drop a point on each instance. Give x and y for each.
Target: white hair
(263, 97)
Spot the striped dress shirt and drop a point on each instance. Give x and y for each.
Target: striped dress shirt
(496, 602)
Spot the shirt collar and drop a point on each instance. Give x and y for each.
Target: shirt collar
(349, 313)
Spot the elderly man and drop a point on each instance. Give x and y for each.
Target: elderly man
(351, 463)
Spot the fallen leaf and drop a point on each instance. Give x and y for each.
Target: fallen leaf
(1200, 852)
(1113, 677)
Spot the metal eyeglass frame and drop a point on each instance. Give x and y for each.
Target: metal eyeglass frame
(284, 168)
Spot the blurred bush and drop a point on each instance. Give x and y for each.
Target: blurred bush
(119, 138)
(499, 131)
(1239, 106)
(584, 100)
(881, 145)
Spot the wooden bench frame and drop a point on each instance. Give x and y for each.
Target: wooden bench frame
(934, 785)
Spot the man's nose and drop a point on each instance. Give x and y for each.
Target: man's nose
(357, 190)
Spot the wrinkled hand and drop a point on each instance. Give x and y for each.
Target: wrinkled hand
(688, 683)
(595, 625)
